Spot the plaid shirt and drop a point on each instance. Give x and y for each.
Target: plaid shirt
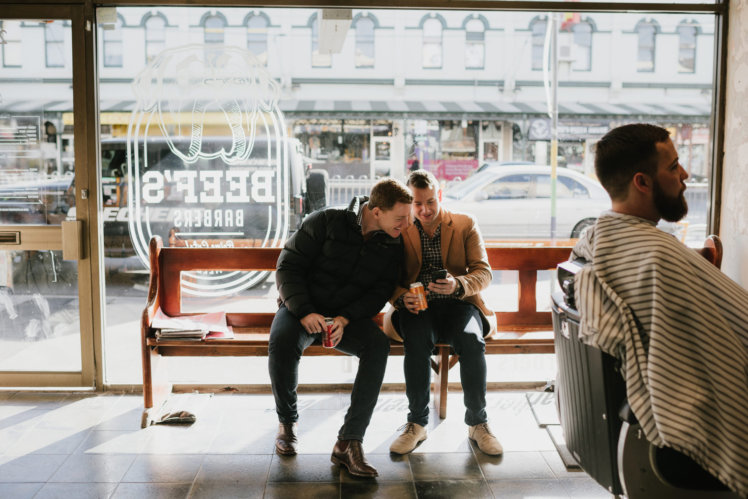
(431, 249)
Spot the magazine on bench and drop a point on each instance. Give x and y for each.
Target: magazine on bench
(192, 327)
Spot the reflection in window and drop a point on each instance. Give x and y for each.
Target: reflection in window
(538, 28)
(155, 36)
(112, 45)
(582, 32)
(214, 29)
(475, 44)
(12, 46)
(432, 43)
(54, 44)
(318, 60)
(364, 42)
(687, 47)
(257, 37)
(645, 59)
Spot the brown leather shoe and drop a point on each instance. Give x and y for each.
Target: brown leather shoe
(286, 441)
(350, 454)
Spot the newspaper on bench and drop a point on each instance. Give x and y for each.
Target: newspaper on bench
(199, 326)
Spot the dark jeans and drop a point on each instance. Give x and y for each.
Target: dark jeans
(458, 323)
(361, 338)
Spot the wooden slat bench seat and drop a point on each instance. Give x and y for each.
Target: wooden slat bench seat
(517, 331)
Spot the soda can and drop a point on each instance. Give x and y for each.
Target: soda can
(417, 289)
(327, 333)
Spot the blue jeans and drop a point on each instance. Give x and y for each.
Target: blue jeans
(458, 323)
(362, 338)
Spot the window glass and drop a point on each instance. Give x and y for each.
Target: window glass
(112, 45)
(687, 48)
(432, 43)
(582, 46)
(510, 187)
(365, 43)
(257, 37)
(54, 44)
(475, 46)
(155, 36)
(646, 47)
(214, 29)
(11, 31)
(319, 60)
(538, 29)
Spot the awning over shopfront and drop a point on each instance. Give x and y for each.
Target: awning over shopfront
(374, 109)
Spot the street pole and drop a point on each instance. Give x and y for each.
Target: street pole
(554, 19)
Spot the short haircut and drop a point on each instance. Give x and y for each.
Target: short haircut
(387, 192)
(422, 179)
(624, 152)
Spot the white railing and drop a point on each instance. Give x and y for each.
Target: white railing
(342, 190)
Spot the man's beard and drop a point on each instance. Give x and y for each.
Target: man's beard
(670, 208)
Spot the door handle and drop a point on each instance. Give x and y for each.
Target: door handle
(72, 239)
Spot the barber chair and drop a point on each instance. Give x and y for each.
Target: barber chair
(599, 428)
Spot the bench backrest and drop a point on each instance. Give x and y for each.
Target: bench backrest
(167, 264)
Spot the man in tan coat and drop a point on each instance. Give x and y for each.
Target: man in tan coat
(456, 313)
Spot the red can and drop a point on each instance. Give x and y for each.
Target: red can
(417, 289)
(327, 333)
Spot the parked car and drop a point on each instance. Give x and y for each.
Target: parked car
(514, 201)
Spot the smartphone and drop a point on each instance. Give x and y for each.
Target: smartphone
(439, 274)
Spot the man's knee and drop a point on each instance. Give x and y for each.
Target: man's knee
(469, 345)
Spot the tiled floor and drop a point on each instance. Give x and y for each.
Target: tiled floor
(78, 446)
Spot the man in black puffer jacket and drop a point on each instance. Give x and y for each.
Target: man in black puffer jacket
(342, 264)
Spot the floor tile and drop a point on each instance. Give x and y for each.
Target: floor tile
(113, 442)
(163, 468)
(76, 490)
(584, 487)
(47, 441)
(377, 489)
(20, 490)
(558, 467)
(453, 489)
(514, 465)
(444, 466)
(304, 468)
(93, 468)
(236, 469)
(30, 468)
(299, 489)
(521, 489)
(151, 490)
(213, 490)
(391, 468)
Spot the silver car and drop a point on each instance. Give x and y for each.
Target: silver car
(514, 201)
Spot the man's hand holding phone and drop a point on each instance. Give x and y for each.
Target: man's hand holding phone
(443, 282)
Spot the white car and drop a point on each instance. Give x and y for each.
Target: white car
(514, 201)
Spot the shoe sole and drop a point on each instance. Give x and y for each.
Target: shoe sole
(411, 450)
(285, 453)
(340, 463)
(484, 452)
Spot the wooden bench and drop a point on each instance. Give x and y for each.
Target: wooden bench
(514, 335)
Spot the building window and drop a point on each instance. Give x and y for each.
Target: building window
(257, 37)
(432, 43)
(214, 29)
(645, 58)
(155, 36)
(538, 28)
(582, 36)
(475, 44)
(11, 31)
(318, 60)
(687, 32)
(54, 44)
(364, 42)
(112, 45)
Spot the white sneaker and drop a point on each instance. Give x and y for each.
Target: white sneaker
(412, 435)
(486, 441)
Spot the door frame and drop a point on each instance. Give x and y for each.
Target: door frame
(85, 129)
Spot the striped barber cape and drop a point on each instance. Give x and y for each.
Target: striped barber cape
(680, 328)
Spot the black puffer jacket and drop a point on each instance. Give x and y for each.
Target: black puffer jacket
(326, 266)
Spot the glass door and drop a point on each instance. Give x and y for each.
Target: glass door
(42, 258)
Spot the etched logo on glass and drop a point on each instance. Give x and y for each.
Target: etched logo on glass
(207, 158)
